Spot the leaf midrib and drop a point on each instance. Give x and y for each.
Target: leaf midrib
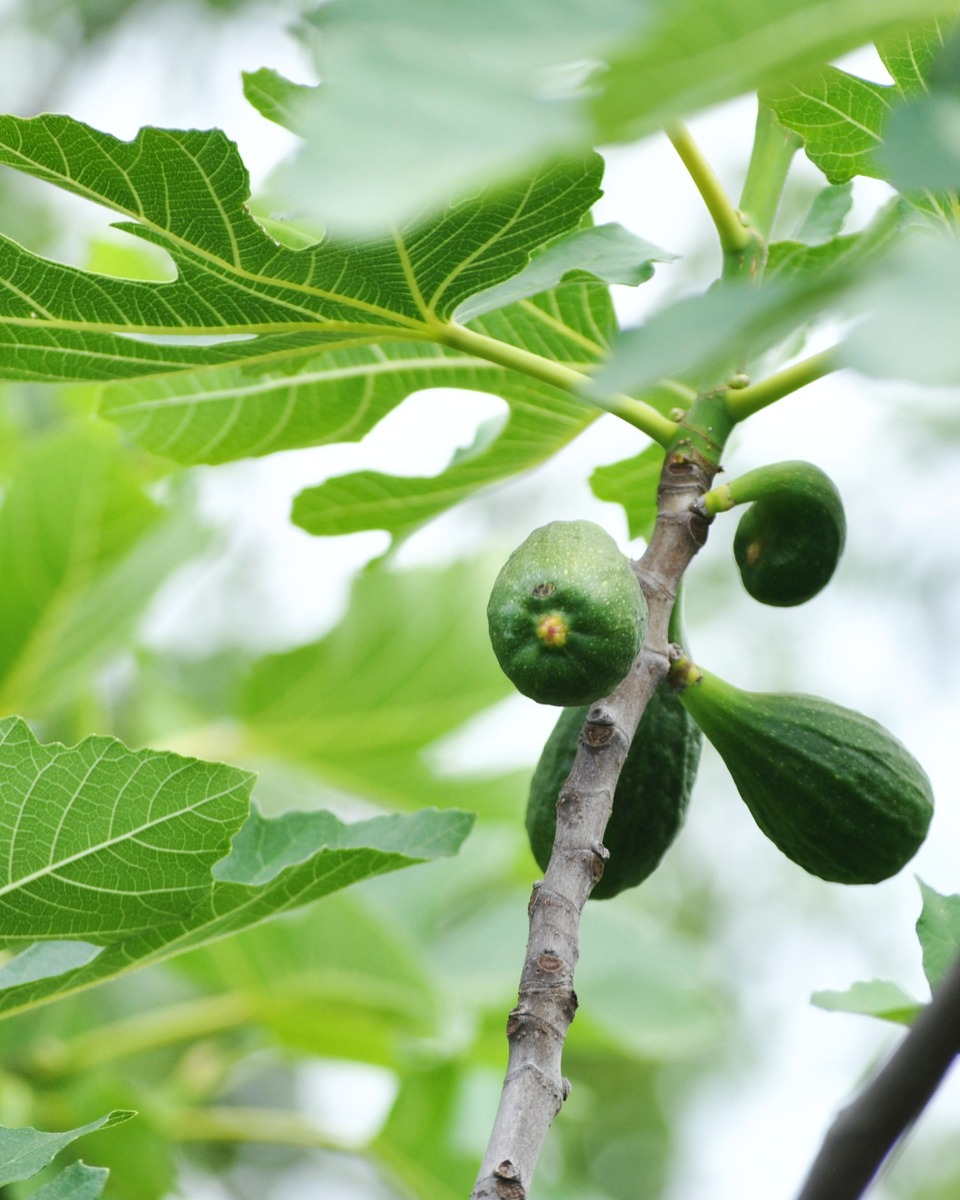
(193, 252)
(88, 851)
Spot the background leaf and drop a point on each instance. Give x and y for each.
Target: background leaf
(701, 52)
(82, 551)
(888, 1001)
(24, 1152)
(361, 706)
(344, 979)
(99, 841)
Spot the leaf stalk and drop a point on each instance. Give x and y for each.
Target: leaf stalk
(635, 412)
(744, 402)
(730, 225)
(773, 149)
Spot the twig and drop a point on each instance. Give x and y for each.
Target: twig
(534, 1088)
(746, 401)
(731, 229)
(635, 412)
(865, 1132)
(773, 149)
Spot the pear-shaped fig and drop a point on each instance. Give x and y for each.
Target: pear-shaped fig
(833, 789)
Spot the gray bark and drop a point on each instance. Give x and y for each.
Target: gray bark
(534, 1088)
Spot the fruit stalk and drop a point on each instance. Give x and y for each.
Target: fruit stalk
(534, 1088)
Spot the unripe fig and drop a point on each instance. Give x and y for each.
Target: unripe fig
(789, 541)
(650, 801)
(566, 614)
(833, 789)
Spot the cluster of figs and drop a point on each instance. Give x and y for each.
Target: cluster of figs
(836, 792)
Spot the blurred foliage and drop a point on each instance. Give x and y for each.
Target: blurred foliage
(396, 992)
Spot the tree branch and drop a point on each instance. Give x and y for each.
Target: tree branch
(865, 1132)
(534, 1088)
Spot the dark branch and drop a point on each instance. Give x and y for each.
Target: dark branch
(865, 1132)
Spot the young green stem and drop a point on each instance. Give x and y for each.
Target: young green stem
(744, 402)
(643, 416)
(145, 1031)
(269, 1126)
(733, 234)
(744, 248)
(773, 149)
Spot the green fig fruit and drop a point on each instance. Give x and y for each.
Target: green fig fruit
(833, 789)
(566, 614)
(789, 541)
(651, 797)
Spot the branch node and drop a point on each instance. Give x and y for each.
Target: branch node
(599, 733)
(543, 894)
(506, 1180)
(521, 1022)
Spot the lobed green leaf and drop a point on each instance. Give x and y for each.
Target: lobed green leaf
(110, 858)
(255, 347)
(938, 929)
(76, 1182)
(853, 126)
(341, 855)
(98, 841)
